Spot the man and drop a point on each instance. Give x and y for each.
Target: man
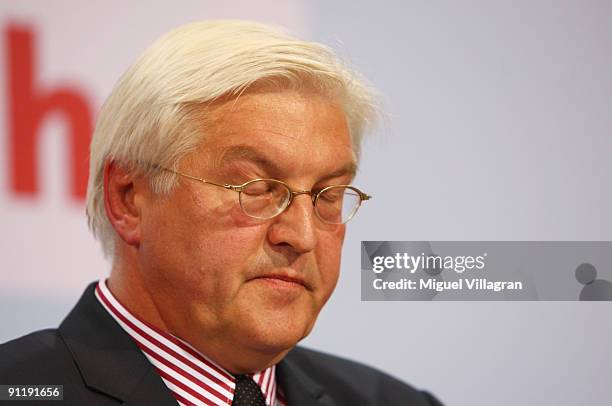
(220, 188)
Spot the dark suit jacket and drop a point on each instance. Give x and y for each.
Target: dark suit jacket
(99, 364)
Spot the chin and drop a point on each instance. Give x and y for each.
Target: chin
(277, 337)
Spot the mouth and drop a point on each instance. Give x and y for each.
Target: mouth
(284, 280)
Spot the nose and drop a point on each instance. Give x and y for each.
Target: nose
(296, 226)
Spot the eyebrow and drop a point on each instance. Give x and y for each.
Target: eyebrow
(245, 152)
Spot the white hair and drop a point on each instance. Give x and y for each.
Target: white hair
(155, 112)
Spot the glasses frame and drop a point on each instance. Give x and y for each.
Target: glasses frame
(313, 195)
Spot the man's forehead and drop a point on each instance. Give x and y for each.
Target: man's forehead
(289, 116)
(253, 137)
(241, 152)
(281, 130)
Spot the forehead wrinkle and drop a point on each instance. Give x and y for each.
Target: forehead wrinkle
(257, 112)
(245, 152)
(298, 134)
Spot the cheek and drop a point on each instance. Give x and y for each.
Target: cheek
(329, 259)
(187, 236)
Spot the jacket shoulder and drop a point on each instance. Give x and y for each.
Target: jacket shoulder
(39, 357)
(355, 383)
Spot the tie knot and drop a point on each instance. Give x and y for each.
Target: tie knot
(248, 393)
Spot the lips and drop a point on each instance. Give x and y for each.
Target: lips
(285, 278)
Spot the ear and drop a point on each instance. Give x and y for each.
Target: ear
(121, 203)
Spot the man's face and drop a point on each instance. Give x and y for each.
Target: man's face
(221, 279)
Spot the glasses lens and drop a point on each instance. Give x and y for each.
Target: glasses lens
(337, 204)
(264, 199)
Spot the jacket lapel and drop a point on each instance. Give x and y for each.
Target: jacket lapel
(299, 388)
(108, 359)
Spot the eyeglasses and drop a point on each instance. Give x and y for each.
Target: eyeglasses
(267, 198)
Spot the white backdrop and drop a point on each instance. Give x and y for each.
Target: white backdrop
(498, 128)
